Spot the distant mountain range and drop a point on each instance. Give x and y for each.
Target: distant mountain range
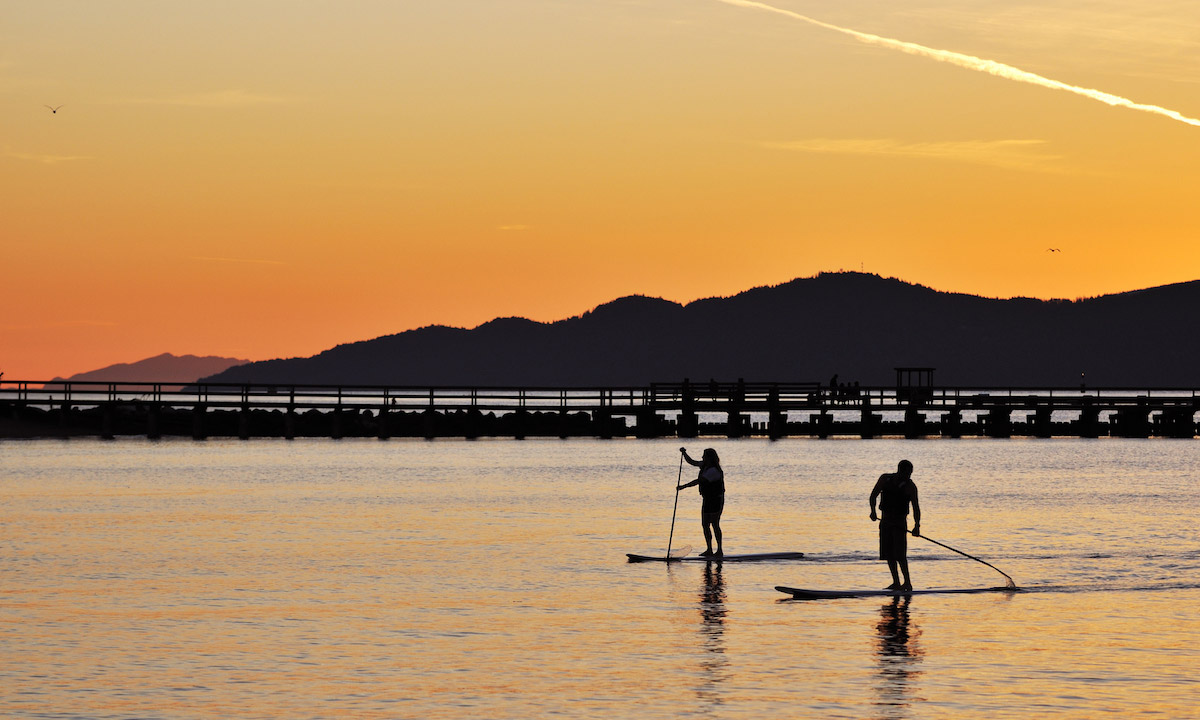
(165, 368)
(856, 325)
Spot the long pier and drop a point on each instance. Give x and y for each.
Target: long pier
(678, 409)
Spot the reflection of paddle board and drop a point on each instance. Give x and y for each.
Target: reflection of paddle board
(803, 594)
(754, 557)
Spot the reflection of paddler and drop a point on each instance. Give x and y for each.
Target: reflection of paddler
(896, 492)
(899, 653)
(712, 597)
(711, 480)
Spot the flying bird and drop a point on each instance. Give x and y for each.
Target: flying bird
(1053, 250)
(53, 109)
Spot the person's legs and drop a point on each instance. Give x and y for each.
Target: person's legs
(895, 575)
(716, 528)
(903, 562)
(708, 536)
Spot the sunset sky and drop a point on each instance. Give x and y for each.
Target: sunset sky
(268, 179)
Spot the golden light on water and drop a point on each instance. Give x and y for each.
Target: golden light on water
(455, 579)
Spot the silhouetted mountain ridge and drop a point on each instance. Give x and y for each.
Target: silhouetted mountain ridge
(857, 325)
(161, 368)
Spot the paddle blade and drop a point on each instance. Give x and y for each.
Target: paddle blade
(680, 552)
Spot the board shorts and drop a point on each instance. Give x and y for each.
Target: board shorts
(893, 538)
(711, 508)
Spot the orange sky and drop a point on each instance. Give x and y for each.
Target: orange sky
(264, 179)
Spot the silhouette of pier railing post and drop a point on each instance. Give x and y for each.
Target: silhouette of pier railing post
(564, 416)
(289, 417)
(383, 430)
(952, 422)
(648, 421)
(1041, 419)
(521, 418)
(776, 416)
(735, 422)
(1088, 425)
(689, 422)
(198, 411)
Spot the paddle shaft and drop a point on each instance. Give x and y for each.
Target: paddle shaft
(1011, 582)
(678, 480)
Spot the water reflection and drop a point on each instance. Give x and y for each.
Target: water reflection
(713, 664)
(899, 654)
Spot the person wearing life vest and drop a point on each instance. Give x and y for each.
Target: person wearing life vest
(712, 489)
(896, 491)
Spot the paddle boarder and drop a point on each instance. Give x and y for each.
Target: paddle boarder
(896, 491)
(711, 480)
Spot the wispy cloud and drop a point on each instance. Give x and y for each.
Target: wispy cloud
(970, 62)
(62, 324)
(43, 158)
(248, 261)
(1010, 154)
(214, 99)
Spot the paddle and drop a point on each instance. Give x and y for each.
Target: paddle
(678, 480)
(1011, 584)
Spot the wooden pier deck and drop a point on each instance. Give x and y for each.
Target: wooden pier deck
(681, 409)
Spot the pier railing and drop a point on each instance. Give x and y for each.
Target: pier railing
(685, 409)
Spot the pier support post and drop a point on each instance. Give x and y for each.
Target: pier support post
(1088, 425)
(520, 421)
(736, 425)
(1132, 422)
(914, 423)
(384, 431)
(289, 423)
(107, 411)
(998, 423)
(1042, 425)
(244, 422)
(471, 421)
(777, 425)
(952, 423)
(154, 421)
(648, 423)
(602, 420)
(198, 422)
(776, 417)
(335, 431)
(868, 422)
(688, 424)
(822, 424)
(1176, 422)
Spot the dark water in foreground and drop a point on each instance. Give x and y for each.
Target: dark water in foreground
(409, 579)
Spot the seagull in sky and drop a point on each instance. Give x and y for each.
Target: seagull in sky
(1053, 250)
(53, 109)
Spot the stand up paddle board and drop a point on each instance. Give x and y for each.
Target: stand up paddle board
(753, 557)
(806, 594)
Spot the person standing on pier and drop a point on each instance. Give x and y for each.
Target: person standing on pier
(896, 492)
(711, 480)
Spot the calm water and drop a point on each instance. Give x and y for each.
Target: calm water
(412, 579)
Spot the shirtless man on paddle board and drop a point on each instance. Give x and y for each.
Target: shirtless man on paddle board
(896, 492)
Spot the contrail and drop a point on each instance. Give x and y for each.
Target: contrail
(971, 62)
